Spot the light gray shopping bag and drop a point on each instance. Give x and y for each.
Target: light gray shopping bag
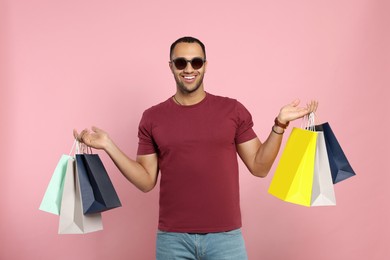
(72, 219)
(323, 188)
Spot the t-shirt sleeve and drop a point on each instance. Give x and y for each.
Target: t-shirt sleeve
(244, 125)
(146, 144)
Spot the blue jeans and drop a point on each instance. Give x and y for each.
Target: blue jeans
(212, 246)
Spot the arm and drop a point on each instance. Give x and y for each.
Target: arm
(259, 157)
(141, 172)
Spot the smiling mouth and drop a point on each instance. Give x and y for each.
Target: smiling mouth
(189, 79)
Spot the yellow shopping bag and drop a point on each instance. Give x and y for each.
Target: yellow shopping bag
(293, 178)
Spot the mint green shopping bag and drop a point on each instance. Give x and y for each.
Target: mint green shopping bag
(51, 201)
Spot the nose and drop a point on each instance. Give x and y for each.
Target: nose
(188, 68)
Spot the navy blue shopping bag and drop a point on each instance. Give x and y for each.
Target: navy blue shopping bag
(340, 168)
(97, 192)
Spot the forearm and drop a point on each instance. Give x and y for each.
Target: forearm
(259, 157)
(267, 152)
(133, 171)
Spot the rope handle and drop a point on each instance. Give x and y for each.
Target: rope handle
(79, 148)
(309, 122)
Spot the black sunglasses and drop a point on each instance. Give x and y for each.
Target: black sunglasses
(181, 63)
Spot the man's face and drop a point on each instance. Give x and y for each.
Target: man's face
(188, 80)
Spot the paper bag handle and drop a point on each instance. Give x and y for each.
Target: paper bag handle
(309, 122)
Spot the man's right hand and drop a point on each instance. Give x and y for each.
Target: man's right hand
(96, 138)
(142, 172)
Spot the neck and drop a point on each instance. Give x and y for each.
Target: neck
(188, 99)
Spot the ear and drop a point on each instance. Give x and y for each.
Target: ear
(205, 66)
(170, 65)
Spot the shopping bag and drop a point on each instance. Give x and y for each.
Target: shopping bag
(51, 201)
(293, 177)
(97, 192)
(323, 188)
(72, 219)
(339, 165)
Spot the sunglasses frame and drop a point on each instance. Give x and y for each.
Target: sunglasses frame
(188, 61)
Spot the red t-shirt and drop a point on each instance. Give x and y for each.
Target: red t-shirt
(197, 157)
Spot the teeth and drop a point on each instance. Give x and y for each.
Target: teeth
(188, 77)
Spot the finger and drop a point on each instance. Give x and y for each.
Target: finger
(75, 134)
(295, 102)
(79, 136)
(83, 135)
(310, 106)
(313, 105)
(96, 130)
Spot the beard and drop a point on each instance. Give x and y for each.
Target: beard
(182, 87)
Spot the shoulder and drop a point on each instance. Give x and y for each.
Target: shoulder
(227, 102)
(157, 109)
(222, 100)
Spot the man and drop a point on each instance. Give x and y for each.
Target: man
(193, 139)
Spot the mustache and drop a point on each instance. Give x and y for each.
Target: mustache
(186, 90)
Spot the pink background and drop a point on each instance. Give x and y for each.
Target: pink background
(67, 64)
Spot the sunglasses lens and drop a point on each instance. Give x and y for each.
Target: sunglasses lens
(180, 63)
(197, 63)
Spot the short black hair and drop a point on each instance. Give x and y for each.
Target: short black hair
(187, 39)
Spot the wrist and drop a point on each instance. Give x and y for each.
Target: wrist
(277, 130)
(108, 145)
(281, 123)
